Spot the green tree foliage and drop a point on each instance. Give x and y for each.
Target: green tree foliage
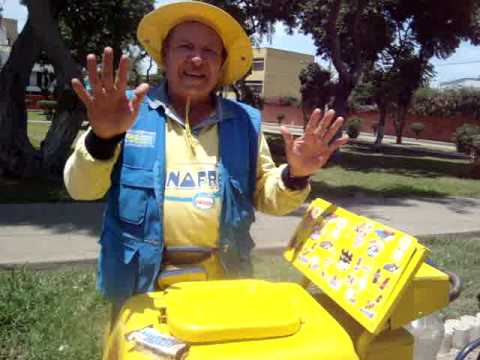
(423, 29)
(316, 88)
(64, 31)
(417, 128)
(350, 33)
(438, 26)
(354, 34)
(467, 139)
(393, 83)
(353, 127)
(257, 17)
(447, 103)
(89, 26)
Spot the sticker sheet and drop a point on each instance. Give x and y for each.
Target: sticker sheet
(358, 262)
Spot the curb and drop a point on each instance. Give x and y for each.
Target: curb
(265, 250)
(47, 265)
(459, 235)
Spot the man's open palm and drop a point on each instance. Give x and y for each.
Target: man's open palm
(308, 153)
(109, 110)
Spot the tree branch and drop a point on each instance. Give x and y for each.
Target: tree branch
(334, 40)
(358, 63)
(46, 28)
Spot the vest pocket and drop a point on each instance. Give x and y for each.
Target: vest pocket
(118, 267)
(132, 204)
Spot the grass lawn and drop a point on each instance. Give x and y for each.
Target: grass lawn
(58, 314)
(393, 172)
(37, 132)
(32, 190)
(24, 191)
(36, 115)
(461, 256)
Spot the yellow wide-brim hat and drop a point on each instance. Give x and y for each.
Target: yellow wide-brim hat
(155, 26)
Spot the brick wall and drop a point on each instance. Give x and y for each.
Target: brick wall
(436, 128)
(32, 101)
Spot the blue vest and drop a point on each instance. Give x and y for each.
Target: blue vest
(132, 235)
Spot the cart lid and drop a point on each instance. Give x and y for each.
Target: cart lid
(364, 266)
(204, 312)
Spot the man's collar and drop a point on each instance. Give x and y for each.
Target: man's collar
(158, 97)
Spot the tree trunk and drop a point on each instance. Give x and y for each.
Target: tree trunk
(381, 126)
(400, 122)
(340, 104)
(70, 112)
(64, 129)
(307, 107)
(17, 155)
(475, 169)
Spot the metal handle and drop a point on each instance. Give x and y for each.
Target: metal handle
(455, 282)
(462, 355)
(455, 286)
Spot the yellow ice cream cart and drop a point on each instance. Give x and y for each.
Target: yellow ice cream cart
(369, 281)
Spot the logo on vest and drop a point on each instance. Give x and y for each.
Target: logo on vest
(203, 201)
(194, 179)
(140, 138)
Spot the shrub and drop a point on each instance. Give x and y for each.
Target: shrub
(447, 103)
(353, 127)
(288, 101)
(48, 107)
(465, 137)
(417, 128)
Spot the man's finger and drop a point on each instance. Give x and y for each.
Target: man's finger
(107, 69)
(333, 130)
(122, 75)
(325, 123)
(92, 74)
(313, 121)
(81, 92)
(337, 143)
(287, 138)
(139, 94)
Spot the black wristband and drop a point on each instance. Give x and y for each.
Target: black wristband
(292, 182)
(101, 149)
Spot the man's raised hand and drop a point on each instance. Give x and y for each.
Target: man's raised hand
(309, 152)
(109, 110)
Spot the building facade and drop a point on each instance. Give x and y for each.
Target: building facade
(471, 83)
(42, 75)
(8, 35)
(275, 73)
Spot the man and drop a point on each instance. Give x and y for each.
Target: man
(183, 167)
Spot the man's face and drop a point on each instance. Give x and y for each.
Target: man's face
(193, 59)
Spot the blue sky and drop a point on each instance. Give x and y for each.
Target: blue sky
(449, 69)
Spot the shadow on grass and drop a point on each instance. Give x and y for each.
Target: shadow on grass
(403, 150)
(347, 196)
(412, 166)
(68, 216)
(42, 205)
(323, 190)
(412, 162)
(23, 191)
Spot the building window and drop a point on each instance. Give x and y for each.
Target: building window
(255, 86)
(258, 64)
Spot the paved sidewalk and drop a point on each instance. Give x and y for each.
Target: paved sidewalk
(44, 235)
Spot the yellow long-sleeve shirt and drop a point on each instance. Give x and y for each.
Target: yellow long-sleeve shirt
(192, 204)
